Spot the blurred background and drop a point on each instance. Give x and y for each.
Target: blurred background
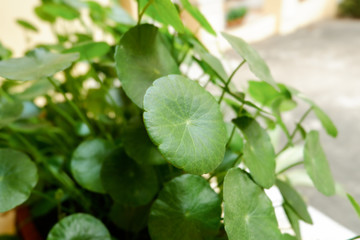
(312, 45)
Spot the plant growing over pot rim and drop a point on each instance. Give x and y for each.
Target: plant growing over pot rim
(127, 161)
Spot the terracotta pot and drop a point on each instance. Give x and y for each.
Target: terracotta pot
(25, 226)
(234, 22)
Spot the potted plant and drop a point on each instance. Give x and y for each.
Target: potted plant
(113, 140)
(235, 16)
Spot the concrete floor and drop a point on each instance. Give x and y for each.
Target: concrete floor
(322, 61)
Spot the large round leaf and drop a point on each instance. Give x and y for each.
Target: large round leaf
(38, 65)
(187, 208)
(138, 145)
(141, 57)
(79, 226)
(249, 214)
(185, 121)
(127, 182)
(18, 176)
(87, 161)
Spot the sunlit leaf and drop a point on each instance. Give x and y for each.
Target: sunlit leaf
(141, 57)
(186, 208)
(325, 121)
(36, 66)
(60, 10)
(26, 25)
(89, 50)
(354, 203)
(249, 214)
(18, 176)
(185, 121)
(256, 63)
(259, 154)
(79, 226)
(87, 161)
(317, 165)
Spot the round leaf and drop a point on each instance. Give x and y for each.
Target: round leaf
(141, 57)
(87, 161)
(79, 226)
(126, 182)
(18, 176)
(249, 214)
(38, 65)
(187, 208)
(138, 145)
(185, 121)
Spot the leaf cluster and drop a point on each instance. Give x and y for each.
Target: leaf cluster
(113, 139)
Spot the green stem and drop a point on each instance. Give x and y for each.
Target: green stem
(32, 150)
(295, 130)
(72, 104)
(229, 80)
(290, 166)
(143, 11)
(357, 237)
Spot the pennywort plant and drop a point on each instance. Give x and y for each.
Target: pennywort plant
(113, 140)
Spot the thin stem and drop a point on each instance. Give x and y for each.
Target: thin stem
(290, 166)
(295, 130)
(229, 80)
(72, 104)
(143, 11)
(357, 237)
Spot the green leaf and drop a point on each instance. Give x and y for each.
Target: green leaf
(354, 203)
(228, 162)
(198, 16)
(79, 226)
(37, 88)
(36, 66)
(10, 110)
(18, 176)
(237, 142)
(288, 237)
(60, 10)
(187, 208)
(259, 154)
(262, 92)
(294, 200)
(141, 57)
(163, 11)
(138, 145)
(128, 218)
(120, 16)
(325, 121)
(317, 165)
(127, 182)
(293, 220)
(4, 52)
(87, 161)
(185, 121)
(25, 24)
(249, 214)
(256, 63)
(89, 50)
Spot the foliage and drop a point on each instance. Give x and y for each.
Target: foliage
(236, 13)
(112, 139)
(349, 8)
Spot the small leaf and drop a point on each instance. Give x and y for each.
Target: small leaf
(294, 200)
(249, 214)
(89, 50)
(185, 121)
(127, 182)
(354, 203)
(325, 121)
(163, 11)
(141, 57)
(79, 226)
(10, 110)
(138, 145)
(187, 208)
(293, 220)
(259, 154)
(198, 16)
(39, 65)
(60, 10)
(256, 63)
(18, 176)
(262, 92)
(317, 165)
(86, 163)
(37, 88)
(25, 24)
(120, 16)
